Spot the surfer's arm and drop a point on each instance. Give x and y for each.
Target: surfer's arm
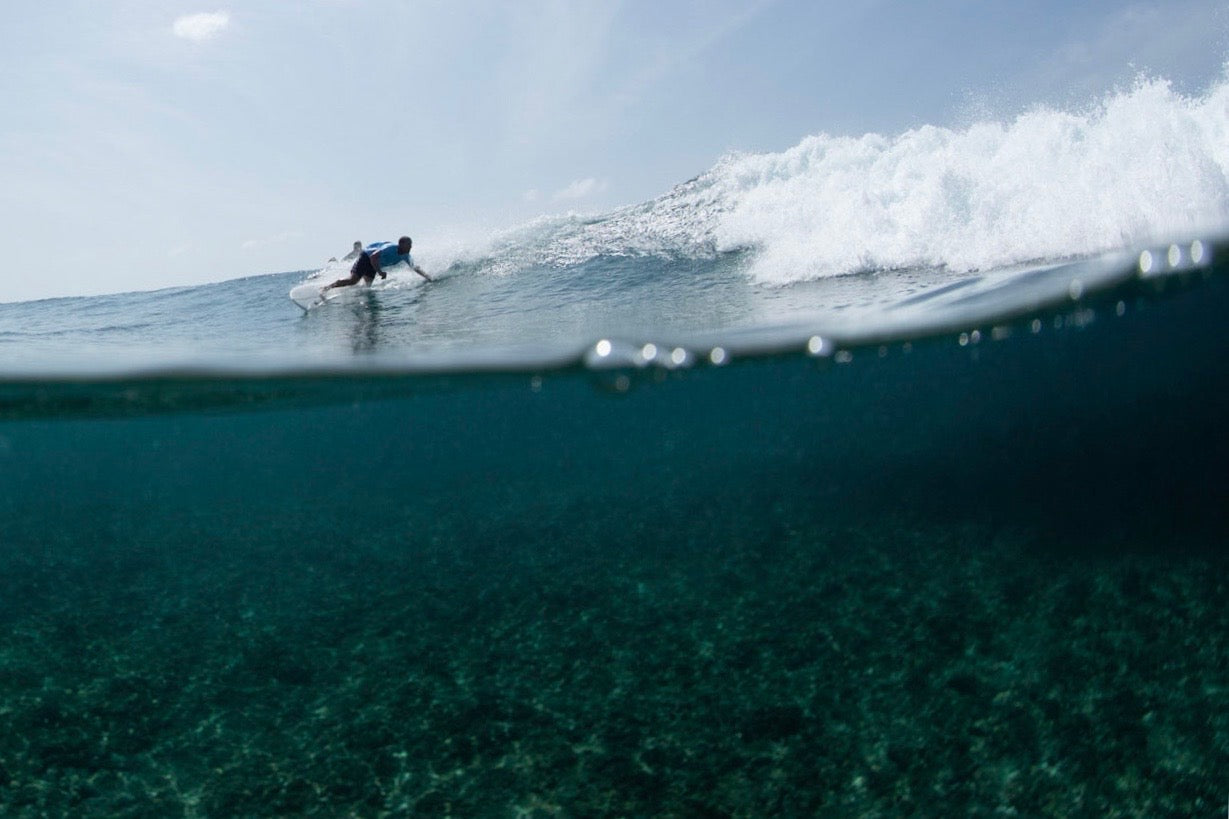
(422, 273)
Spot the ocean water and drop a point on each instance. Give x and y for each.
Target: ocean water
(878, 476)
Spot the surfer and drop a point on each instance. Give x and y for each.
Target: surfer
(375, 260)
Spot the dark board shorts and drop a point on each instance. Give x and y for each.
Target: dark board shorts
(363, 268)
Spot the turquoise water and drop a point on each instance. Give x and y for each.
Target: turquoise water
(951, 572)
(718, 505)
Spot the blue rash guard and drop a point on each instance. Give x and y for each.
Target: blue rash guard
(385, 255)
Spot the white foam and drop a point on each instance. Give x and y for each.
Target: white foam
(1143, 164)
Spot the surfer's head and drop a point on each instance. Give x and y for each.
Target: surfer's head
(404, 244)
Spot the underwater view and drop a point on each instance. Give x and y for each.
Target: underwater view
(878, 477)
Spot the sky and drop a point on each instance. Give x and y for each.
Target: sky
(155, 143)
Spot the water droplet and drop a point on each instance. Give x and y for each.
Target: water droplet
(1121, 308)
(844, 357)
(1198, 252)
(1075, 289)
(648, 352)
(611, 354)
(717, 355)
(818, 346)
(678, 356)
(1174, 257)
(1145, 262)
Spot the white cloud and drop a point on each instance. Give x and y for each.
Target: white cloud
(581, 189)
(201, 27)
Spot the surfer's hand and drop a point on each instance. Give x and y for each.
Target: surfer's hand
(383, 275)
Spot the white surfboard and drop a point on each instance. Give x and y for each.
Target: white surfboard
(308, 294)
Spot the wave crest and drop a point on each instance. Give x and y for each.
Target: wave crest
(1051, 184)
(1142, 165)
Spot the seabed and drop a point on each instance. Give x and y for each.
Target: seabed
(554, 661)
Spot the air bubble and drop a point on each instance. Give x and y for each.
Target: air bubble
(717, 356)
(1174, 256)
